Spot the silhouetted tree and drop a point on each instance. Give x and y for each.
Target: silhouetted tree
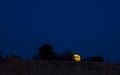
(46, 52)
(97, 59)
(67, 55)
(0, 55)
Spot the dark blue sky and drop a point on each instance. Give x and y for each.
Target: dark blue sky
(88, 27)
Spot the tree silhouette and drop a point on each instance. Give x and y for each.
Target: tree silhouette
(67, 55)
(0, 55)
(97, 59)
(46, 52)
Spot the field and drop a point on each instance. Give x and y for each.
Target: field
(54, 67)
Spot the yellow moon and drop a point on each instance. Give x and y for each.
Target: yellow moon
(76, 57)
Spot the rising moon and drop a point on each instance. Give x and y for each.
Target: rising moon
(76, 57)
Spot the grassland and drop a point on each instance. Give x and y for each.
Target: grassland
(55, 67)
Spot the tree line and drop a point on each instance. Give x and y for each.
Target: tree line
(45, 52)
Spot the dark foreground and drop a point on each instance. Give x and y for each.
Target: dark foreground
(23, 67)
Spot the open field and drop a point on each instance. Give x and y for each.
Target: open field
(53, 67)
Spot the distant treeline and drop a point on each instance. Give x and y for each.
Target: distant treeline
(45, 52)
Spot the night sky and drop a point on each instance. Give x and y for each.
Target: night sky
(88, 27)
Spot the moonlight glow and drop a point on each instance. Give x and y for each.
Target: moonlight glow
(76, 57)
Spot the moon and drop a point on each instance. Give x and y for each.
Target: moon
(76, 57)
